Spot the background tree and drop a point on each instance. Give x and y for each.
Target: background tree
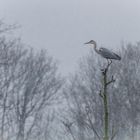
(83, 89)
(29, 85)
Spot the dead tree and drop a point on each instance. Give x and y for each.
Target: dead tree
(104, 96)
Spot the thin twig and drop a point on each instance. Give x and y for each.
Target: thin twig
(111, 81)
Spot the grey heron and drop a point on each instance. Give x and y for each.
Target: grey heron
(109, 55)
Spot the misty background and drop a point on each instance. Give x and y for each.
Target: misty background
(63, 26)
(52, 86)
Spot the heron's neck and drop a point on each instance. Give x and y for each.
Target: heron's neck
(95, 48)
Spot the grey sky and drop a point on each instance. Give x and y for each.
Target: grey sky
(62, 26)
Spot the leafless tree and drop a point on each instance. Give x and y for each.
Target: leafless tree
(126, 91)
(82, 93)
(29, 84)
(35, 90)
(29, 87)
(7, 69)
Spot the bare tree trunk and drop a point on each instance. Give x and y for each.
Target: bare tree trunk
(106, 119)
(105, 101)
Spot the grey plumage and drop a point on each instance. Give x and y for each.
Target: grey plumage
(108, 54)
(104, 52)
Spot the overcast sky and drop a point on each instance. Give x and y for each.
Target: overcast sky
(62, 26)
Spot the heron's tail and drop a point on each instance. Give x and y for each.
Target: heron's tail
(118, 57)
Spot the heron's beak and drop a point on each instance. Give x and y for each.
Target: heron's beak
(87, 43)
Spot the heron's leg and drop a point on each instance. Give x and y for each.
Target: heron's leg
(103, 69)
(110, 61)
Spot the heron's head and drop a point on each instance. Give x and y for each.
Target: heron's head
(91, 42)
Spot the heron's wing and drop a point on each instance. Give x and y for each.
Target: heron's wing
(108, 54)
(118, 57)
